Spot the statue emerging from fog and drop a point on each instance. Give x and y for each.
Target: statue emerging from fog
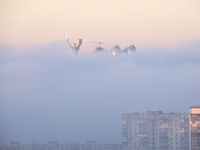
(74, 48)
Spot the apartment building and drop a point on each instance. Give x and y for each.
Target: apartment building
(194, 128)
(155, 131)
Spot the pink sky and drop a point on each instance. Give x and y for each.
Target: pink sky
(144, 23)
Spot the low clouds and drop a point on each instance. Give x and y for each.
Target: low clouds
(46, 94)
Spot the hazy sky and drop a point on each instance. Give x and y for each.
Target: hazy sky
(144, 23)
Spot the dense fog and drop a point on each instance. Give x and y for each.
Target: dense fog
(47, 94)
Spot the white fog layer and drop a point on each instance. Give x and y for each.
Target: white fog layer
(46, 94)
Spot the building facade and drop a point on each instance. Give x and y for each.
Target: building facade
(194, 128)
(155, 131)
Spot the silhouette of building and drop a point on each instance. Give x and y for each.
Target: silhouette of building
(194, 128)
(54, 145)
(155, 131)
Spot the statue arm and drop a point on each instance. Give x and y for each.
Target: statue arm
(69, 43)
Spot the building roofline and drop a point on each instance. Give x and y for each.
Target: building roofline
(197, 106)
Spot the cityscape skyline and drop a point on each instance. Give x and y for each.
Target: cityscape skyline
(128, 125)
(150, 61)
(153, 130)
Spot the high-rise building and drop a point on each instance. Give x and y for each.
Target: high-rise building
(155, 131)
(194, 128)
